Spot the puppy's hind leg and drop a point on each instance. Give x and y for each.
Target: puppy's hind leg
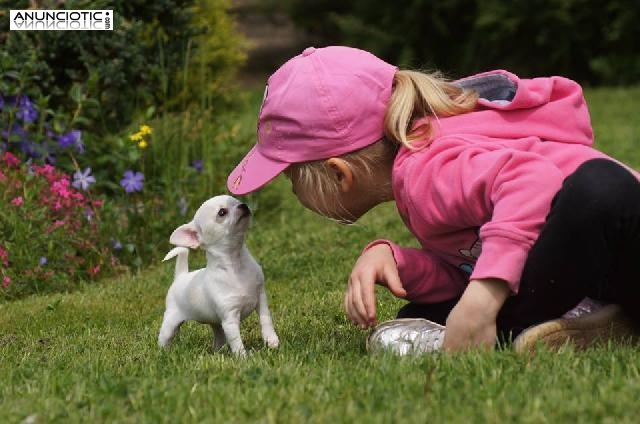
(170, 326)
(218, 337)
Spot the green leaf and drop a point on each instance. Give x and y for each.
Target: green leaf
(12, 75)
(76, 93)
(54, 305)
(150, 112)
(82, 121)
(134, 155)
(91, 103)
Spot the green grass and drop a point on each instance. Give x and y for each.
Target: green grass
(91, 355)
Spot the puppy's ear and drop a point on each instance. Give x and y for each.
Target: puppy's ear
(186, 236)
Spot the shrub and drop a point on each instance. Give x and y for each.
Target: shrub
(593, 41)
(146, 60)
(129, 201)
(49, 230)
(75, 104)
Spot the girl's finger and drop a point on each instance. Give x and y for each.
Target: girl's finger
(393, 281)
(357, 304)
(348, 303)
(368, 297)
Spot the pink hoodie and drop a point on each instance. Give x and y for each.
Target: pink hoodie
(477, 196)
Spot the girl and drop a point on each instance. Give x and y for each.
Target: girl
(518, 216)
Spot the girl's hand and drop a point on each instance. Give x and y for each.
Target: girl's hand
(467, 328)
(375, 266)
(472, 322)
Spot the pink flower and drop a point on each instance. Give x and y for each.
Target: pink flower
(6, 281)
(11, 160)
(95, 270)
(18, 201)
(4, 256)
(61, 188)
(2, 176)
(56, 224)
(45, 170)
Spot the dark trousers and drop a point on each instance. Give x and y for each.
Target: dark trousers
(588, 246)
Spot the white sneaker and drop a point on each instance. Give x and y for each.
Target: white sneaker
(406, 336)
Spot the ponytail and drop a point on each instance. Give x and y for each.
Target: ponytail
(417, 95)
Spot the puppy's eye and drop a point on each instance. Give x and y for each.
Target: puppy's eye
(222, 212)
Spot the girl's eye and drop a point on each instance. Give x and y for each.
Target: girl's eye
(222, 212)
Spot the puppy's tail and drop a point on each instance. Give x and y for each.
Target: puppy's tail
(182, 263)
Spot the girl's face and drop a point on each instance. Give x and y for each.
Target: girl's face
(345, 207)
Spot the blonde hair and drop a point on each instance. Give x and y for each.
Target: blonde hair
(416, 97)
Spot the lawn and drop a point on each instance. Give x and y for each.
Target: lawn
(91, 355)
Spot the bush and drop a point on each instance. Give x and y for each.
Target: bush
(74, 108)
(123, 206)
(50, 231)
(158, 51)
(593, 41)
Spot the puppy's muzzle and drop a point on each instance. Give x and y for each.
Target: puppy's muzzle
(244, 210)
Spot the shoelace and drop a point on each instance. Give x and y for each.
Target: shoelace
(586, 306)
(429, 340)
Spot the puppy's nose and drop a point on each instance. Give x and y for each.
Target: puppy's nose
(244, 208)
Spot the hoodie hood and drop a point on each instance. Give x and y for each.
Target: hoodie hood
(552, 109)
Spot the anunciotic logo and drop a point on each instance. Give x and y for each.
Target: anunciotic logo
(60, 20)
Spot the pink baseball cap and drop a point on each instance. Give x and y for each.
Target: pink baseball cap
(322, 103)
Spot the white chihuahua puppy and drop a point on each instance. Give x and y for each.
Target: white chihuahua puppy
(228, 289)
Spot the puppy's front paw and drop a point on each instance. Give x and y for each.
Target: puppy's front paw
(272, 340)
(242, 354)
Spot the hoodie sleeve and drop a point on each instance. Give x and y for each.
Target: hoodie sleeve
(425, 277)
(505, 193)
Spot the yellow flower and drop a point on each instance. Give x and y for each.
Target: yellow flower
(145, 129)
(136, 137)
(143, 144)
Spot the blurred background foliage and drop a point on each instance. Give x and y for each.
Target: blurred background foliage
(165, 54)
(74, 101)
(592, 41)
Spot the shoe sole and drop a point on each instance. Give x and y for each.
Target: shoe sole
(599, 327)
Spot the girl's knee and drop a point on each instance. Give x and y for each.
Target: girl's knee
(601, 184)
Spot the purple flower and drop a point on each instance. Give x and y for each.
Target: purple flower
(183, 205)
(82, 180)
(70, 139)
(51, 158)
(117, 246)
(43, 260)
(15, 133)
(1, 102)
(30, 170)
(197, 165)
(80, 146)
(32, 149)
(132, 181)
(27, 111)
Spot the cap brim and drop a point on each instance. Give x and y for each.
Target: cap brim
(254, 172)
